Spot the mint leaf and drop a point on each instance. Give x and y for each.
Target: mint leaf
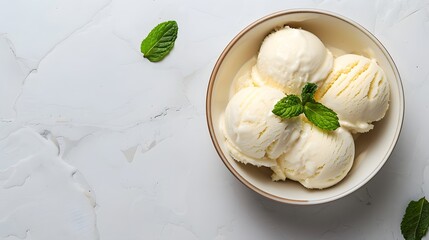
(307, 93)
(415, 222)
(289, 106)
(160, 41)
(321, 116)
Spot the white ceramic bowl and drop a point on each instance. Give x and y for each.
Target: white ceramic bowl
(341, 35)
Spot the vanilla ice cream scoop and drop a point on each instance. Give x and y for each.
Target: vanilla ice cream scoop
(357, 90)
(289, 58)
(253, 133)
(319, 159)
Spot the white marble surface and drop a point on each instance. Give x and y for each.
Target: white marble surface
(126, 153)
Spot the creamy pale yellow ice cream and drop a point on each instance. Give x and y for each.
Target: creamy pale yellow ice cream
(289, 58)
(357, 90)
(253, 133)
(319, 159)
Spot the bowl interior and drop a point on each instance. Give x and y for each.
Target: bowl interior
(340, 36)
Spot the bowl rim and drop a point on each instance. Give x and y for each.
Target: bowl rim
(219, 62)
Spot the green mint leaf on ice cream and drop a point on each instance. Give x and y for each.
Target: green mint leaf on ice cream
(415, 222)
(321, 116)
(307, 93)
(289, 106)
(317, 113)
(160, 41)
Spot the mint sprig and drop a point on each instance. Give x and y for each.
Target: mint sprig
(317, 113)
(415, 222)
(160, 41)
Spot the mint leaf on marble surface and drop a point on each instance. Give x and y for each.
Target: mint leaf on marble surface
(288, 107)
(415, 222)
(317, 113)
(160, 41)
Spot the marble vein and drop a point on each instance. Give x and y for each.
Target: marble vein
(128, 43)
(75, 31)
(42, 184)
(410, 14)
(34, 69)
